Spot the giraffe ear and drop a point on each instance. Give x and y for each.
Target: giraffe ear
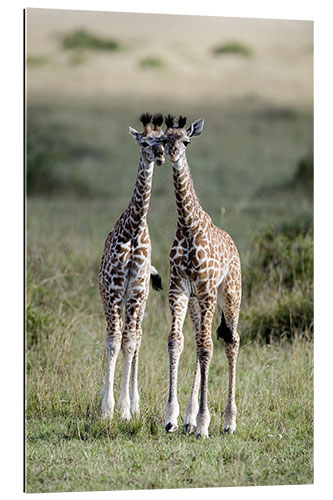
(196, 128)
(135, 134)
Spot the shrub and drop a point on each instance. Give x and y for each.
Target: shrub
(37, 60)
(283, 256)
(233, 48)
(50, 147)
(304, 173)
(82, 39)
(278, 283)
(152, 62)
(289, 316)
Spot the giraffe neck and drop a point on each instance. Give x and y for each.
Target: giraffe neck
(140, 200)
(188, 205)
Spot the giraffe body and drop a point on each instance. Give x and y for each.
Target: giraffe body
(124, 275)
(204, 268)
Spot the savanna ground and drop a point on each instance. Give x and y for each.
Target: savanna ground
(252, 169)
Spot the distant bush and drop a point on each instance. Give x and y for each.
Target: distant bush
(288, 316)
(276, 113)
(278, 283)
(152, 62)
(37, 60)
(304, 172)
(82, 39)
(48, 148)
(232, 48)
(283, 255)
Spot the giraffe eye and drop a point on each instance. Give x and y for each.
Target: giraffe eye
(144, 144)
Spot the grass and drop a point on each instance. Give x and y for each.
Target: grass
(73, 451)
(247, 190)
(233, 48)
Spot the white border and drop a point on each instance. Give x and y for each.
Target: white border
(12, 230)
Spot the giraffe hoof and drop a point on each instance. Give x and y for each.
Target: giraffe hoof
(170, 427)
(204, 436)
(228, 429)
(189, 428)
(106, 415)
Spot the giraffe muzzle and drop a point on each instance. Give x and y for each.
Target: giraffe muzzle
(160, 161)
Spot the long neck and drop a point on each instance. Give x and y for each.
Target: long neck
(139, 203)
(188, 205)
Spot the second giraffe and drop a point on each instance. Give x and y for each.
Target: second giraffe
(204, 268)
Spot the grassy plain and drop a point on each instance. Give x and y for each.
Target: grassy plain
(68, 448)
(248, 170)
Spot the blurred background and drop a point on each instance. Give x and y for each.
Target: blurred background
(89, 75)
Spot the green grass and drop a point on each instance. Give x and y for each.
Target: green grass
(69, 449)
(247, 188)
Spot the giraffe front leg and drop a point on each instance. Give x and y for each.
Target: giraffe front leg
(134, 393)
(203, 417)
(192, 407)
(178, 305)
(128, 348)
(113, 343)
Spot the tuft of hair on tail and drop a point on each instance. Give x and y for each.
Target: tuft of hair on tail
(224, 332)
(156, 280)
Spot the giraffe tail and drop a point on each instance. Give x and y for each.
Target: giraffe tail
(155, 278)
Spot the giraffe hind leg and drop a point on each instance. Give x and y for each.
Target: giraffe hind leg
(229, 300)
(129, 347)
(134, 392)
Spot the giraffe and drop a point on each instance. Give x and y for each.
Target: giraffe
(124, 275)
(204, 268)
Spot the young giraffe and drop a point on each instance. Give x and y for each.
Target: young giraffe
(204, 268)
(124, 275)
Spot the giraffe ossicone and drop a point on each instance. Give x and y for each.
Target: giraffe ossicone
(124, 274)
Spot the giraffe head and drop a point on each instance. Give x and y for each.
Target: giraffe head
(177, 138)
(151, 150)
